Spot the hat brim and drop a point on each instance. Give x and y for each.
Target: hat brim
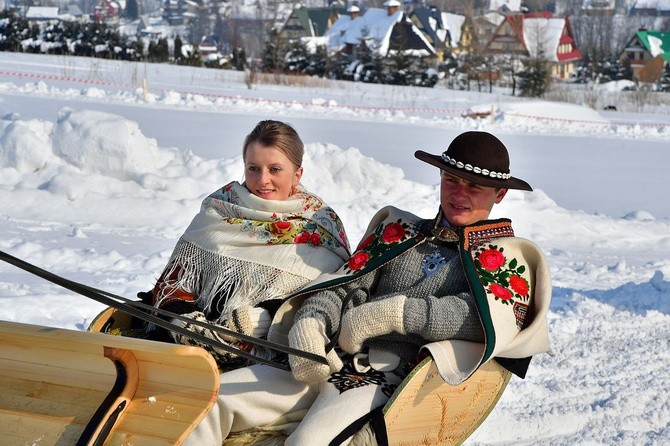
(437, 161)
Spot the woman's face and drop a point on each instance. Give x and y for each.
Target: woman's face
(268, 173)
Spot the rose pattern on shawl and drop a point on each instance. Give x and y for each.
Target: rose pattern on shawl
(501, 277)
(383, 238)
(287, 231)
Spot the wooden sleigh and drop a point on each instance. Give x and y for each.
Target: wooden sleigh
(65, 387)
(423, 411)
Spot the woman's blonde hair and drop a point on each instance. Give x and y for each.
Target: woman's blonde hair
(276, 134)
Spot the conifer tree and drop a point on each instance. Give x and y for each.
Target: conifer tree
(177, 50)
(663, 83)
(132, 11)
(534, 79)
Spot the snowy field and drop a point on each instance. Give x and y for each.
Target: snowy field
(99, 176)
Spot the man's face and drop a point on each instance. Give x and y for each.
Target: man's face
(464, 203)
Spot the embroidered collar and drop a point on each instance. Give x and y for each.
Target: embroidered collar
(472, 235)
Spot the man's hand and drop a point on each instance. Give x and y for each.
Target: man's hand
(371, 319)
(309, 335)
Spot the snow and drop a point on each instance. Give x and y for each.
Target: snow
(542, 36)
(99, 177)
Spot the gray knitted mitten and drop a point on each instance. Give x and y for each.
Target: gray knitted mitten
(372, 319)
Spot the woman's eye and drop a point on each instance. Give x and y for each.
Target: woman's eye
(252, 169)
(275, 169)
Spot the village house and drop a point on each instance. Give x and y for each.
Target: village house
(462, 34)
(428, 20)
(42, 13)
(385, 31)
(107, 11)
(537, 36)
(647, 52)
(309, 22)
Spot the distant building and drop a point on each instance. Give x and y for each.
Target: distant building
(428, 20)
(647, 52)
(107, 11)
(537, 36)
(40, 13)
(382, 32)
(653, 8)
(309, 22)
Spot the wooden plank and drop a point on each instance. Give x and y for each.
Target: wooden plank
(42, 398)
(95, 378)
(58, 379)
(20, 430)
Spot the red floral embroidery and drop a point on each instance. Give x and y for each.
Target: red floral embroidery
(393, 233)
(519, 285)
(358, 260)
(491, 259)
(280, 227)
(306, 237)
(303, 237)
(383, 238)
(502, 277)
(365, 243)
(500, 291)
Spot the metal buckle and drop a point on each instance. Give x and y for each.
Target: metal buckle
(445, 234)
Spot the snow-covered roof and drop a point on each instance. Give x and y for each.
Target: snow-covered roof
(660, 5)
(512, 5)
(453, 23)
(656, 42)
(542, 36)
(42, 12)
(376, 24)
(493, 17)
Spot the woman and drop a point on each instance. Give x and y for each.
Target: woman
(252, 244)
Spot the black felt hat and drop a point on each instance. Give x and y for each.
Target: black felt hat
(478, 157)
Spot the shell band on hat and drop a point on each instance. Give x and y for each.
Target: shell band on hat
(475, 169)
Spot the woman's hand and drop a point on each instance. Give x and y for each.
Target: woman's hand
(309, 335)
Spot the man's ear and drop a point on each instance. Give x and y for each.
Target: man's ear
(500, 195)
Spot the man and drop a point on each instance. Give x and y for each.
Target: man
(392, 6)
(460, 283)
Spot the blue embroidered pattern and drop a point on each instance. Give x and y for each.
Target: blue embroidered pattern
(433, 262)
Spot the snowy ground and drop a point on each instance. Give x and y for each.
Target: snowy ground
(100, 176)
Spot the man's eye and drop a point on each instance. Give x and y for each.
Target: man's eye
(252, 169)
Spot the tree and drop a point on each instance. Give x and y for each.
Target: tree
(663, 83)
(176, 53)
(296, 58)
(273, 53)
(534, 79)
(14, 29)
(132, 11)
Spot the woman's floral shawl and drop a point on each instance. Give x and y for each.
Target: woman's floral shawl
(242, 250)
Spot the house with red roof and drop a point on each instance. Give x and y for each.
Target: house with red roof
(538, 36)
